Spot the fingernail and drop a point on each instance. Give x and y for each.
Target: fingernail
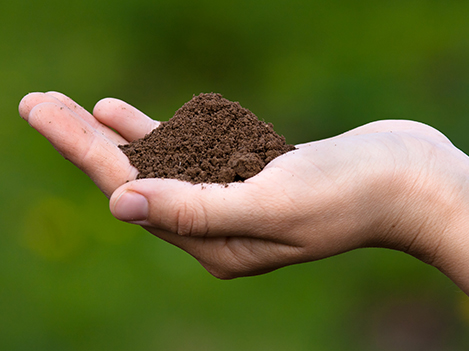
(130, 207)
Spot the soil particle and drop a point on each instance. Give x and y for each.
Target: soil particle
(208, 140)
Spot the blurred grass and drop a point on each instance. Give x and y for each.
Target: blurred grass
(73, 278)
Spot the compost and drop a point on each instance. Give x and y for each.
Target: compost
(208, 140)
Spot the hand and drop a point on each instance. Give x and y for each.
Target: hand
(395, 184)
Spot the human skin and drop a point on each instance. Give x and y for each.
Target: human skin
(395, 184)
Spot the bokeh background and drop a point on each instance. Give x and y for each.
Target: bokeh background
(74, 278)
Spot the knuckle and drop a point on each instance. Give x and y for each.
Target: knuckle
(190, 220)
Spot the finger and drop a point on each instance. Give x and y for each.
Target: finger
(78, 142)
(125, 119)
(205, 210)
(86, 116)
(175, 206)
(33, 99)
(30, 101)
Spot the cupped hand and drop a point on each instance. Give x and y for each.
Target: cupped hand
(395, 184)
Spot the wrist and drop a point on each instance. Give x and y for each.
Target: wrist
(433, 215)
(451, 255)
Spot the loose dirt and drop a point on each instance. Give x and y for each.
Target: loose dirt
(208, 140)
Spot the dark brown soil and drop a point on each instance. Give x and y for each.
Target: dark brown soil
(208, 140)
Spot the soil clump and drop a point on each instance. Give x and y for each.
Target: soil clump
(208, 140)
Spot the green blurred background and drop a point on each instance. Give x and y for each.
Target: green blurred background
(74, 278)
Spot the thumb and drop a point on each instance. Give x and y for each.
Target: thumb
(186, 209)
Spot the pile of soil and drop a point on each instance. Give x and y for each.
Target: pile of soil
(209, 140)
